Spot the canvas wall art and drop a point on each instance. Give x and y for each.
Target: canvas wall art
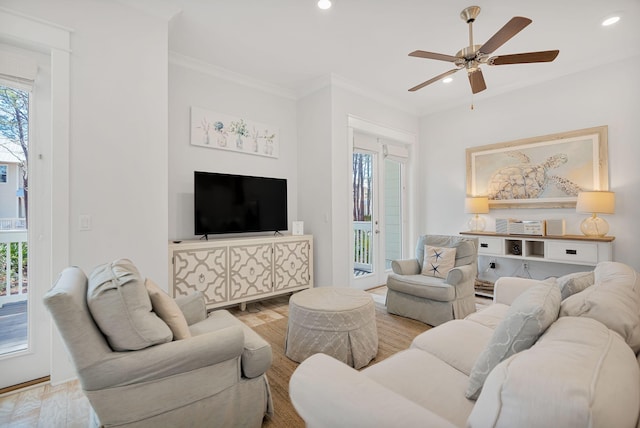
(221, 131)
(539, 172)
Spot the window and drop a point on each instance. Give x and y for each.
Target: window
(3, 173)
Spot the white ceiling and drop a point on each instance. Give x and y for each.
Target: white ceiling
(291, 43)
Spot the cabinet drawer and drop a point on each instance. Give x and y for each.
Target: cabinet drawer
(489, 245)
(577, 252)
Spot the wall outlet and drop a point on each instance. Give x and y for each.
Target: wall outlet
(84, 222)
(492, 265)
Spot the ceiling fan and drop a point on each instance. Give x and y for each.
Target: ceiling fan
(473, 56)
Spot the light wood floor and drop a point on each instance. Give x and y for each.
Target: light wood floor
(66, 406)
(45, 405)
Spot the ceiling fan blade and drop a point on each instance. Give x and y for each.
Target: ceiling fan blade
(476, 79)
(435, 79)
(510, 29)
(432, 55)
(524, 58)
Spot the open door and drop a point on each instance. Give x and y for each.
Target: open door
(378, 191)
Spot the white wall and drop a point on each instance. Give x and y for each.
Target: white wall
(118, 136)
(189, 86)
(314, 172)
(329, 178)
(606, 95)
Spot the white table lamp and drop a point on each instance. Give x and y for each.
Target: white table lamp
(476, 205)
(596, 202)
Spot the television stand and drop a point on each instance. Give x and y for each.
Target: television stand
(230, 271)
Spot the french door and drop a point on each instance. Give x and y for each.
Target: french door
(24, 247)
(378, 190)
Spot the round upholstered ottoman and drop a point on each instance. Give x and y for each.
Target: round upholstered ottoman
(336, 321)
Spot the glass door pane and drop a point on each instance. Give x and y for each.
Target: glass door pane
(14, 131)
(392, 211)
(363, 213)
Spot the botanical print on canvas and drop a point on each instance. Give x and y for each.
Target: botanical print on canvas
(220, 131)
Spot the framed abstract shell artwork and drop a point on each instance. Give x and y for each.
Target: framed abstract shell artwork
(539, 172)
(221, 131)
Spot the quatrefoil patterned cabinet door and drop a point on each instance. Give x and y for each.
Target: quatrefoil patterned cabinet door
(202, 270)
(251, 270)
(292, 264)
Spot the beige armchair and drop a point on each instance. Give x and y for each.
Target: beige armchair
(429, 299)
(214, 378)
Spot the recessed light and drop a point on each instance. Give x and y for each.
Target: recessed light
(610, 21)
(447, 80)
(324, 4)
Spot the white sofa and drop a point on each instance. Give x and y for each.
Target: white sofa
(545, 353)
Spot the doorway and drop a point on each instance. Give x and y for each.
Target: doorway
(378, 208)
(24, 253)
(37, 54)
(14, 283)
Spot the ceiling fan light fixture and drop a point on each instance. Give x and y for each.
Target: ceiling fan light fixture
(324, 4)
(610, 20)
(473, 56)
(447, 80)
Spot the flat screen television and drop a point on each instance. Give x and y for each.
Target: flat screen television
(228, 203)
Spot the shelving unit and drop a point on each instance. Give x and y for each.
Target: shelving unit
(567, 249)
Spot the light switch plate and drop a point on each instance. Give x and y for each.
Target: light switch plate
(84, 222)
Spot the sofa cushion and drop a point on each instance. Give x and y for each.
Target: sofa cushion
(168, 310)
(578, 374)
(614, 300)
(528, 317)
(422, 286)
(426, 380)
(491, 316)
(574, 283)
(121, 307)
(466, 248)
(256, 355)
(444, 343)
(438, 261)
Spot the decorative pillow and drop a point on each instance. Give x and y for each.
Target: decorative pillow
(578, 374)
(614, 300)
(168, 310)
(121, 307)
(466, 247)
(529, 316)
(438, 261)
(574, 283)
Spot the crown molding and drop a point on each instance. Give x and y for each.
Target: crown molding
(314, 85)
(21, 26)
(194, 64)
(335, 80)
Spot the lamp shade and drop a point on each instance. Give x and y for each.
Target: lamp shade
(476, 205)
(596, 202)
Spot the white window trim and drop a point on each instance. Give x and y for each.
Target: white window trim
(56, 39)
